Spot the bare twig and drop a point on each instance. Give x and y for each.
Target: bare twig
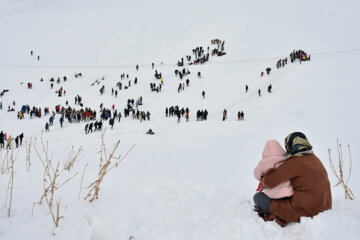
(340, 175)
(32, 211)
(28, 155)
(82, 178)
(72, 158)
(105, 167)
(11, 180)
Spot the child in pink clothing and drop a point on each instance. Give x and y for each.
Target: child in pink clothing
(272, 157)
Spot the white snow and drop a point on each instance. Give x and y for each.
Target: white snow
(190, 180)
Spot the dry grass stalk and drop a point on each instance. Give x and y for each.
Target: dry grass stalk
(340, 175)
(11, 181)
(72, 157)
(82, 178)
(32, 210)
(105, 167)
(4, 162)
(56, 218)
(28, 155)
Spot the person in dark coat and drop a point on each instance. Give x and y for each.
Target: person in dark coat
(61, 121)
(21, 136)
(17, 141)
(2, 140)
(224, 114)
(111, 122)
(246, 88)
(178, 116)
(308, 177)
(46, 126)
(90, 127)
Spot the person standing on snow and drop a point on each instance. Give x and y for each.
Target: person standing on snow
(178, 114)
(2, 143)
(61, 121)
(17, 141)
(21, 136)
(224, 115)
(9, 142)
(111, 122)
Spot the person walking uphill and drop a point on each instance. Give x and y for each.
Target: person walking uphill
(308, 177)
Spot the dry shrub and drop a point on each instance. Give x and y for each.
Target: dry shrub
(105, 167)
(82, 178)
(51, 180)
(340, 174)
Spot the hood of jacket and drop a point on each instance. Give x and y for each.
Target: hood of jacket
(272, 148)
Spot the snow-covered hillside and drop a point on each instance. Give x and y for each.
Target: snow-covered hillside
(191, 180)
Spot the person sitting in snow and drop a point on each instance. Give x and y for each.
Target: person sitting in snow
(150, 132)
(308, 178)
(273, 155)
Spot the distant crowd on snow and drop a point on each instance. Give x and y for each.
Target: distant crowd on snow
(80, 113)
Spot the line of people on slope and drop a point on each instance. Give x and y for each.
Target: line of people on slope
(240, 115)
(176, 111)
(9, 140)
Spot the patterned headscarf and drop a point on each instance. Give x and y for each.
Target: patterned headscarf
(296, 144)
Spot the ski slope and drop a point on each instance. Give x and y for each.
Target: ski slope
(191, 180)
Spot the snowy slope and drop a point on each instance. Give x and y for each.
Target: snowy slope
(190, 180)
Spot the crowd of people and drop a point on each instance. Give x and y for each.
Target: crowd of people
(299, 54)
(86, 114)
(176, 111)
(201, 115)
(9, 140)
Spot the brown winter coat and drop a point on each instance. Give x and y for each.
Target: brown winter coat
(312, 193)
